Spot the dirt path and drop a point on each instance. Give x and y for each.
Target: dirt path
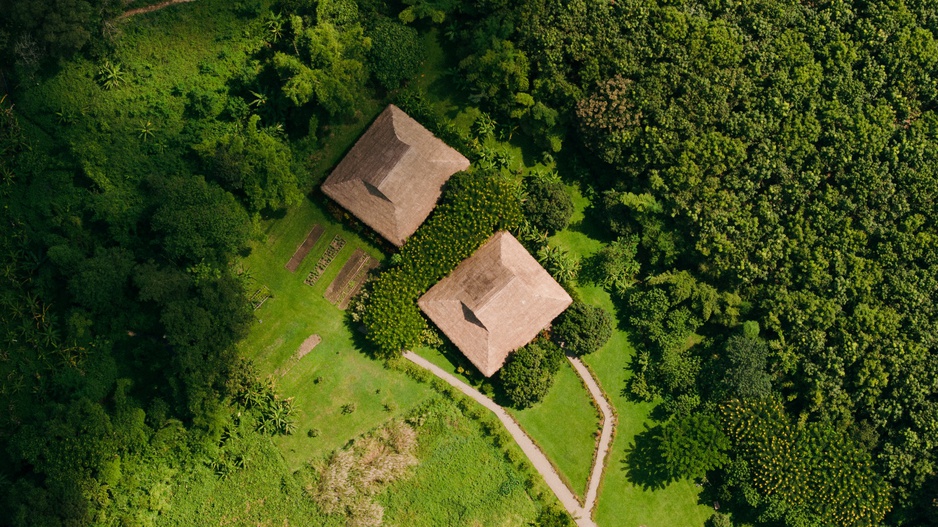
(605, 439)
(151, 8)
(538, 459)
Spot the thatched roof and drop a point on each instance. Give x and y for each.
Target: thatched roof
(393, 176)
(496, 301)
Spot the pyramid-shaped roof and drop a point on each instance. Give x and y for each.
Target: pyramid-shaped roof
(494, 302)
(393, 176)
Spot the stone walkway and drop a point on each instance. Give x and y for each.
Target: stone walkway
(567, 498)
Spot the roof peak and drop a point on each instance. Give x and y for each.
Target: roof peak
(393, 176)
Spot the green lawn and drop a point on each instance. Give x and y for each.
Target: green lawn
(622, 502)
(296, 311)
(565, 425)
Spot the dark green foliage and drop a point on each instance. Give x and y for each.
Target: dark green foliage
(435, 10)
(199, 221)
(396, 53)
(614, 266)
(254, 164)
(42, 28)
(528, 373)
(810, 471)
(498, 72)
(719, 520)
(693, 445)
(115, 263)
(553, 517)
(547, 205)
(780, 151)
(746, 376)
(582, 328)
(474, 207)
(323, 64)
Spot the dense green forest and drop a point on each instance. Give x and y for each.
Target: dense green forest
(764, 175)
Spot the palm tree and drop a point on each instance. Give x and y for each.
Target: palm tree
(111, 75)
(146, 131)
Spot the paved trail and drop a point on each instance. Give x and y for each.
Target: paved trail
(605, 439)
(151, 8)
(580, 513)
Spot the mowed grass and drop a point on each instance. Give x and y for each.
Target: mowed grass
(621, 502)
(565, 425)
(463, 479)
(345, 373)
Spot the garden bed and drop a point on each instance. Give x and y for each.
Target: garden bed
(305, 248)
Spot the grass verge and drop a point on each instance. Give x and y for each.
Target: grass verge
(621, 502)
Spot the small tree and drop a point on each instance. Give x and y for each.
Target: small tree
(553, 517)
(690, 446)
(583, 328)
(395, 54)
(746, 376)
(614, 266)
(529, 372)
(547, 205)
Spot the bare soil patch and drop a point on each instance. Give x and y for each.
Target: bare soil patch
(350, 279)
(304, 248)
(307, 346)
(356, 285)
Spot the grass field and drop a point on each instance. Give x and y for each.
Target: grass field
(462, 480)
(263, 493)
(622, 502)
(570, 446)
(565, 425)
(296, 311)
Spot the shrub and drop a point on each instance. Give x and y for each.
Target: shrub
(254, 164)
(529, 372)
(583, 328)
(474, 207)
(547, 204)
(396, 53)
(719, 520)
(614, 266)
(553, 517)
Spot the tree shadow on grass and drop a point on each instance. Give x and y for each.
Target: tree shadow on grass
(643, 464)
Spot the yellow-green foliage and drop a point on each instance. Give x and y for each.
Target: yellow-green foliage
(813, 469)
(475, 207)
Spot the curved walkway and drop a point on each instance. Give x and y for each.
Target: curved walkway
(605, 439)
(581, 514)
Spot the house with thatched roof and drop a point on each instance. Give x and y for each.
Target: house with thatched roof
(494, 302)
(393, 176)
